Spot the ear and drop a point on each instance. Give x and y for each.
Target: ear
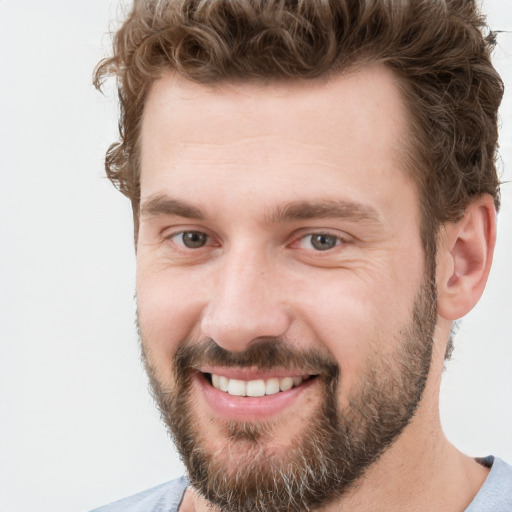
(464, 258)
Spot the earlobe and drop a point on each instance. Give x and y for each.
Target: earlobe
(465, 252)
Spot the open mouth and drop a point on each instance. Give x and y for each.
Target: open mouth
(254, 388)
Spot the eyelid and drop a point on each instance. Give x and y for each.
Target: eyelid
(170, 231)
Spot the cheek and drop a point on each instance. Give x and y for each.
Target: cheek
(357, 318)
(168, 305)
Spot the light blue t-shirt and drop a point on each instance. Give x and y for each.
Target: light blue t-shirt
(494, 496)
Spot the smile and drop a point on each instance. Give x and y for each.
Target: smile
(248, 394)
(254, 388)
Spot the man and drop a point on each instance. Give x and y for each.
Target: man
(314, 196)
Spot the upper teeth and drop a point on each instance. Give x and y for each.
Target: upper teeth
(258, 387)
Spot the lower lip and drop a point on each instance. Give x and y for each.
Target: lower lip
(243, 408)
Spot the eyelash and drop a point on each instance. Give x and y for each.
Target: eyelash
(338, 240)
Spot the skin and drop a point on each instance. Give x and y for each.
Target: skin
(240, 153)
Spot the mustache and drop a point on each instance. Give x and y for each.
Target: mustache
(264, 354)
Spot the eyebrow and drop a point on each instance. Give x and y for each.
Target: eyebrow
(293, 211)
(164, 205)
(305, 210)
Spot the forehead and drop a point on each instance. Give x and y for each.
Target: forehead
(369, 94)
(300, 136)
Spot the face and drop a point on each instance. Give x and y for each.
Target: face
(285, 314)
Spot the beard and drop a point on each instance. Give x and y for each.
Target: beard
(336, 444)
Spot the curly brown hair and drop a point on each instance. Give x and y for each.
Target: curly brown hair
(436, 48)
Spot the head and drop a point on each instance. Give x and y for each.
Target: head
(300, 248)
(435, 49)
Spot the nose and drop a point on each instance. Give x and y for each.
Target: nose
(246, 303)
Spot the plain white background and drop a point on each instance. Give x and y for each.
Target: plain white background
(77, 426)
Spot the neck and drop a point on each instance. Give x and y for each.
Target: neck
(422, 470)
(416, 474)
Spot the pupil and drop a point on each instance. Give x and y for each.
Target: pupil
(323, 242)
(193, 239)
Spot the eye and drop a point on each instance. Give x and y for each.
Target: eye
(191, 239)
(320, 241)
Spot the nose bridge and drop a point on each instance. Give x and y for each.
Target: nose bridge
(246, 301)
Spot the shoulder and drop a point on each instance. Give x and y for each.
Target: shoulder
(496, 493)
(163, 498)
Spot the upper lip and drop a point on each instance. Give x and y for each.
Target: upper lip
(249, 374)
